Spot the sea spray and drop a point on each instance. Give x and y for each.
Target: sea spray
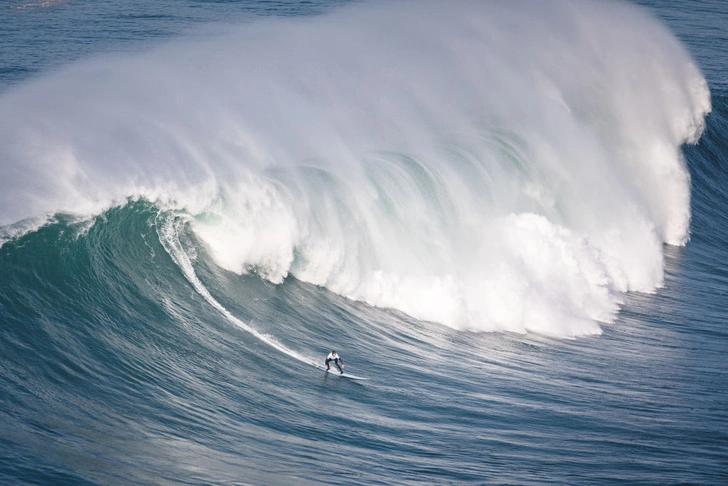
(487, 166)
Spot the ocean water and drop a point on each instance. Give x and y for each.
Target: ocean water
(509, 216)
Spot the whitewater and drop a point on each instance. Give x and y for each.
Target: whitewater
(490, 167)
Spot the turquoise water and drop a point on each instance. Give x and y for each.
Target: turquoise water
(497, 213)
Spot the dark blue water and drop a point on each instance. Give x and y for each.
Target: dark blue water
(483, 208)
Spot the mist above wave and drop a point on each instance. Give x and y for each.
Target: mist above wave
(488, 166)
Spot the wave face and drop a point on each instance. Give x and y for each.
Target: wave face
(510, 167)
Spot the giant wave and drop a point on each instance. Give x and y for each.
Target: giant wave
(507, 167)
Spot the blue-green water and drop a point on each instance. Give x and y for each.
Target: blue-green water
(497, 212)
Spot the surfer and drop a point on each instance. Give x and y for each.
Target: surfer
(337, 361)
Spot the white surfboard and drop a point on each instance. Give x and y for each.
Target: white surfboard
(332, 370)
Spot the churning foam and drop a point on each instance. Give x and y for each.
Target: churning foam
(490, 166)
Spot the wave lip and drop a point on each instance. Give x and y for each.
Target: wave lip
(491, 167)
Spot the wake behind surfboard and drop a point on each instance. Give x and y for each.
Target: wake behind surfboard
(334, 371)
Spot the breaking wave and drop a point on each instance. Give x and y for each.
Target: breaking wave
(509, 167)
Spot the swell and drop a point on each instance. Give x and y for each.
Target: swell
(489, 167)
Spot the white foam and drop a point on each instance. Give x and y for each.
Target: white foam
(508, 166)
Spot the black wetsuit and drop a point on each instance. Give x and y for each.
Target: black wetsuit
(337, 361)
